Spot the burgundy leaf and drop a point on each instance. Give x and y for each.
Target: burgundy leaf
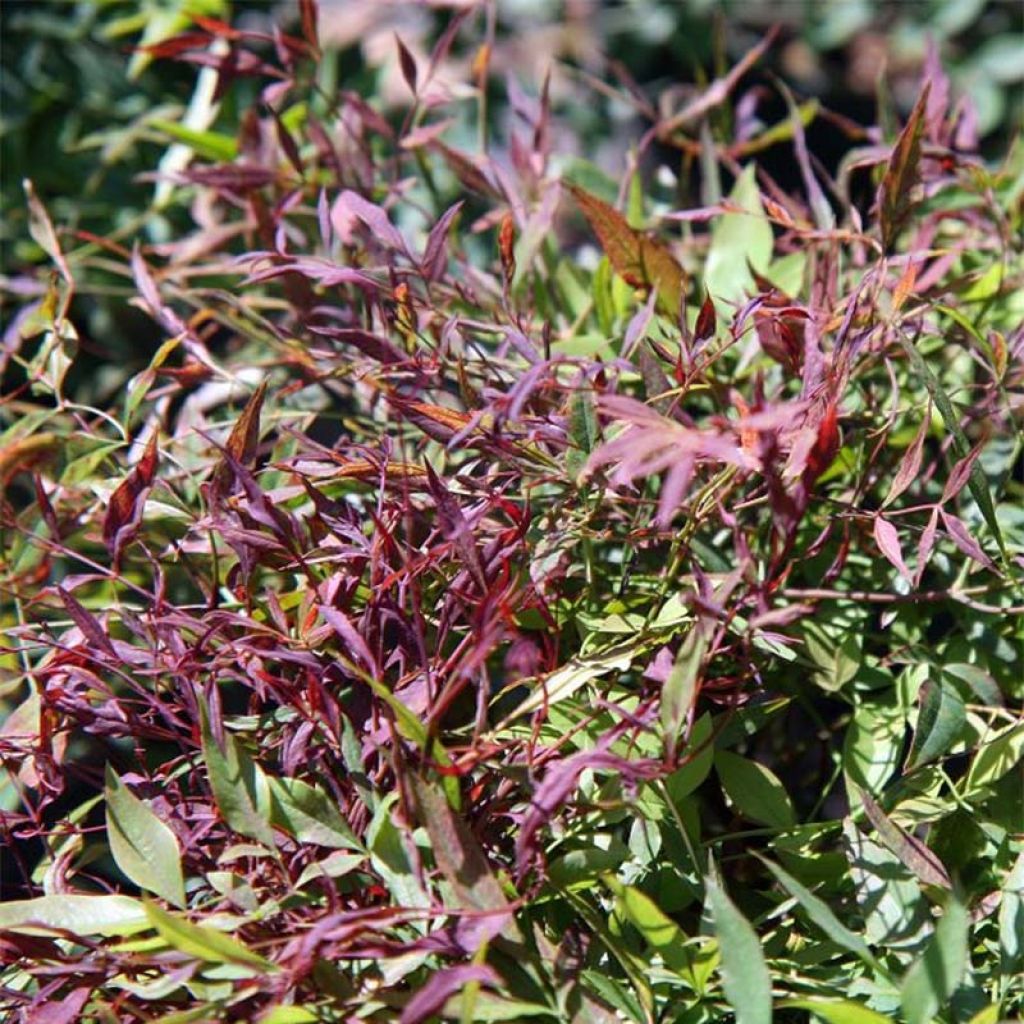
(434, 253)
(444, 983)
(408, 64)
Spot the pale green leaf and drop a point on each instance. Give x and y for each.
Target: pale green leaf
(745, 978)
(933, 979)
(143, 846)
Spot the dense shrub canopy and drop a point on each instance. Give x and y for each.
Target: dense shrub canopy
(504, 590)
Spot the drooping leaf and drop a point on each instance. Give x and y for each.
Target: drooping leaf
(822, 915)
(888, 540)
(660, 932)
(77, 913)
(637, 259)
(143, 846)
(909, 849)
(202, 942)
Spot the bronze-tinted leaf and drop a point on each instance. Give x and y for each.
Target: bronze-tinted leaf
(242, 441)
(902, 173)
(637, 259)
(124, 512)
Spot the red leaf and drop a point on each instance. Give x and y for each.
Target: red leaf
(707, 321)
(308, 14)
(925, 545)
(124, 512)
(889, 544)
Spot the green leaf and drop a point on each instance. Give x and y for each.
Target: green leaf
(841, 1011)
(994, 758)
(737, 238)
(310, 815)
(821, 914)
(896, 914)
(680, 690)
(932, 980)
(754, 790)
(209, 145)
(939, 722)
(1011, 920)
(289, 1015)
(239, 785)
(660, 932)
(143, 846)
(201, 942)
(872, 747)
(683, 781)
(745, 978)
(78, 914)
(583, 431)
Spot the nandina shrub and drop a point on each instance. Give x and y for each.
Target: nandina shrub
(452, 620)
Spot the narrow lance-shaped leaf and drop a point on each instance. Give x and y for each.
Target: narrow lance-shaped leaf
(680, 690)
(910, 465)
(821, 914)
(143, 846)
(901, 174)
(242, 441)
(460, 858)
(124, 510)
(640, 261)
(745, 978)
(932, 979)
(910, 850)
(201, 942)
(888, 541)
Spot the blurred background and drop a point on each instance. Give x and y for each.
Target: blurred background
(84, 113)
